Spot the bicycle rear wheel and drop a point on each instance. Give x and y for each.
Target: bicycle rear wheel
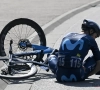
(21, 30)
(19, 68)
(18, 71)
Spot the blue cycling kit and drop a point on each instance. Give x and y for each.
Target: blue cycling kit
(68, 65)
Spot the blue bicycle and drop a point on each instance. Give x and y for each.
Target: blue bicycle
(22, 47)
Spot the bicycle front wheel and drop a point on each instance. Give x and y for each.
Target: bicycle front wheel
(19, 74)
(21, 30)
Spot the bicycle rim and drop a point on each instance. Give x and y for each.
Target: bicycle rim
(22, 75)
(19, 30)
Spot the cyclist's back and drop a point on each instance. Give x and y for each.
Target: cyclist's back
(74, 44)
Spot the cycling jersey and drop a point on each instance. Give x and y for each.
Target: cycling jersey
(73, 49)
(67, 65)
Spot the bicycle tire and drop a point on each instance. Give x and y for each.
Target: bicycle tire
(32, 72)
(14, 23)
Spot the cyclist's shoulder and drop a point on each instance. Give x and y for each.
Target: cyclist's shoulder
(74, 35)
(90, 38)
(79, 36)
(70, 33)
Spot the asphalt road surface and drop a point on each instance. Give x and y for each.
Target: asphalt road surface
(41, 11)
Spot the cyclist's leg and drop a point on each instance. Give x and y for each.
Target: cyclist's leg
(63, 74)
(52, 61)
(89, 64)
(72, 75)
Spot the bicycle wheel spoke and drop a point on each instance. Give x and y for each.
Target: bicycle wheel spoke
(18, 36)
(29, 32)
(26, 31)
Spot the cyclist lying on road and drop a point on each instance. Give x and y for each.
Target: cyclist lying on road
(68, 65)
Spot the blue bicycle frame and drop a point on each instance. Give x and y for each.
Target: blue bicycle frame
(36, 50)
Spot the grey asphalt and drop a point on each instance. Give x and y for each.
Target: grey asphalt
(43, 12)
(46, 80)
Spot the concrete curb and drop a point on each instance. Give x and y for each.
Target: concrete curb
(59, 20)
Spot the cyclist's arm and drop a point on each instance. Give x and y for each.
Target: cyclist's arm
(96, 54)
(97, 68)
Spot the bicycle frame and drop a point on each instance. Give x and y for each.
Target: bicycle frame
(14, 59)
(34, 57)
(37, 50)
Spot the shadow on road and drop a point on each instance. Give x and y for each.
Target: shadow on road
(31, 80)
(87, 83)
(90, 82)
